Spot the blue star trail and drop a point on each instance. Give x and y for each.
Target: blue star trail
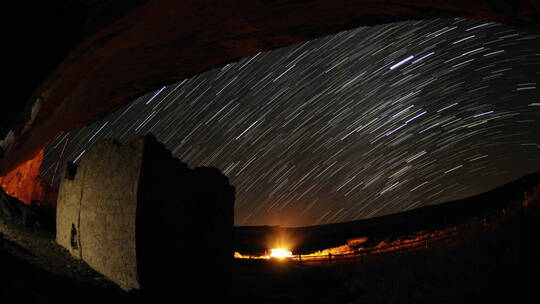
(363, 123)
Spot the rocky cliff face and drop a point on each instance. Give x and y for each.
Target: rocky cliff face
(25, 183)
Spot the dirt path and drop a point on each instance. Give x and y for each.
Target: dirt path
(40, 249)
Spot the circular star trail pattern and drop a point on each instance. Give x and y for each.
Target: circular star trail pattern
(364, 123)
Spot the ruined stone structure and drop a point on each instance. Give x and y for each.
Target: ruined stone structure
(144, 219)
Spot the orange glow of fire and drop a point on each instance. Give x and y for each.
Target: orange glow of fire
(238, 255)
(417, 241)
(277, 253)
(280, 253)
(343, 249)
(358, 245)
(25, 183)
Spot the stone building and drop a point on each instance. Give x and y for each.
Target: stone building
(144, 219)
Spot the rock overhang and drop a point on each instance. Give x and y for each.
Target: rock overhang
(139, 47)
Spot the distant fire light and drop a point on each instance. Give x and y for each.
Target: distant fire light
(280, 253)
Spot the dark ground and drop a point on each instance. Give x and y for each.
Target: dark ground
(36, 270)
(496, 265)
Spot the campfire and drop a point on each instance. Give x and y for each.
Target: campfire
(359, 246)
(275, 253)
(280, 253)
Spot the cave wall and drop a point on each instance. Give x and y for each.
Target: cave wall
(142, 217)
(25, 183)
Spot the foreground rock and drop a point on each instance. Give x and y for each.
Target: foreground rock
(33, 216)
(145, 220)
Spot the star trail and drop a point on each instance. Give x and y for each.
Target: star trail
(363, 123)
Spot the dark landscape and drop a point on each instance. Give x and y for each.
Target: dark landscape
(493, 259)
(270, 151)
(489, 207)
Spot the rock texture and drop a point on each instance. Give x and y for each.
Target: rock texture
(141, 217)
(122, 49)
(25, 183)
(15, 212)
(96, 211)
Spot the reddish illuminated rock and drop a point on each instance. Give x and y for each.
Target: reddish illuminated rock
(26, 184)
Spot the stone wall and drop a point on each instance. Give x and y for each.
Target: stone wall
(97, 210)
(146, 220)
(68, 210)
(189, 221)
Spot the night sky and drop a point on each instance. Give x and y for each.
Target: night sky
(364, 123)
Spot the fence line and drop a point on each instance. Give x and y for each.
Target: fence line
(358, 254)
(447, 236)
